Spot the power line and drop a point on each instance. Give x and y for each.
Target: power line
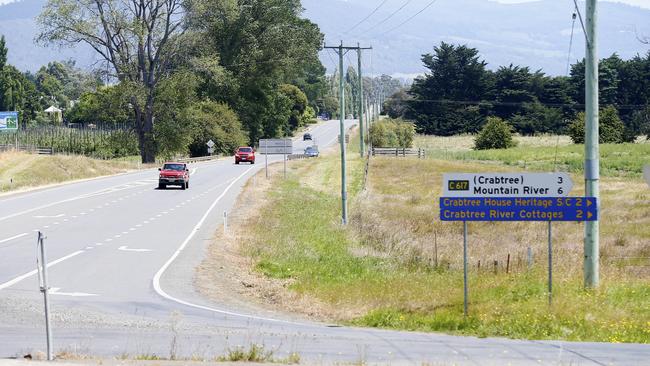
(518, 104)
(387, 18)
(366, 18)
(409, 19)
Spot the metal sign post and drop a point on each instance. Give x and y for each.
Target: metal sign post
(513, 197)
(465, 286)
(550, 263)
(266, 160)
(41, 266)
(285, 159)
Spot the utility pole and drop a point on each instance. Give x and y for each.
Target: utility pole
(341, 51)
(361, 140)
(592, 164)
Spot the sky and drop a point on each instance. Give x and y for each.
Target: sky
(641, 3)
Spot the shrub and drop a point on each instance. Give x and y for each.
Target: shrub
(392, 133)
(611, 128)
(496, 134)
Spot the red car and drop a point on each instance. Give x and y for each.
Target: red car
(176, 174)
(245, 154)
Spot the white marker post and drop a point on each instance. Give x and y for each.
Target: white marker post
(646, 173)
(266, 159)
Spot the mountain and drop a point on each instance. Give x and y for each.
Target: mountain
(18, 26)
(534, 34)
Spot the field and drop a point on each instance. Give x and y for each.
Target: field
(542, 153)
(21, 170)
(397, 266)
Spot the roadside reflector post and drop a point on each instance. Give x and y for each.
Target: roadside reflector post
(41, 266)
(225, 222)
(285, 159)
(529, 258)
(465, 289)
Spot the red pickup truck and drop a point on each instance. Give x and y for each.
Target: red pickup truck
(176, 174)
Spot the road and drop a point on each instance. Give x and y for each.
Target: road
(122, 256)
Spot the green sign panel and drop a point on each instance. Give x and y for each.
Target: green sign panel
(8, 121)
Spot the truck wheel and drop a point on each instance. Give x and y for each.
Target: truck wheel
(162, 186)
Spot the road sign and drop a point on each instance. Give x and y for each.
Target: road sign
(507, 184)
(518, 209)
(275, 146)
(210, 144)
(8, 121)
(646, 173)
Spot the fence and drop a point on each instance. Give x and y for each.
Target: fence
(29, 149)
(97, 143)
(398, 151)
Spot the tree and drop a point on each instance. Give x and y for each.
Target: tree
(496, 134)
(512, 89)
(457, 78)
(138, 38)
(299, 100)
(261, 44)
(611, 127)
(395, 106)
(217, 122)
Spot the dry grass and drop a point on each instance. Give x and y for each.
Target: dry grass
(21, 170)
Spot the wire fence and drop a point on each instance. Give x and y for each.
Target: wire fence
(98, 142)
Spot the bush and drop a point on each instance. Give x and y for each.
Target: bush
(611, 128)
(209, 120)
(496, 134)
(392, 133)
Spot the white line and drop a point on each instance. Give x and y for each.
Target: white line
(31, 273)
(156, 278)
(12, 238)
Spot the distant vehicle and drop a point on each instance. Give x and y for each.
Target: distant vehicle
(245, 154)
(174, 174)
(306, 137)
(312, 151)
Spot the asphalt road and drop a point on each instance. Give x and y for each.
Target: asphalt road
(121, 257)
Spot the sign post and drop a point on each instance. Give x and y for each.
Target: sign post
(210, 144)
(275, 147)
(512, 197)
(646, 173)
(41, 267)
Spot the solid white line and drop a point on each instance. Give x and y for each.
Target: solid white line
(31, 273)
(12, 238)
(161, 271)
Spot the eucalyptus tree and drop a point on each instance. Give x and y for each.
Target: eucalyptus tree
(138, 39)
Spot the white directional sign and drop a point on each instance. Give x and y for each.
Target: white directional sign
(507, 185)
(646, 173)
(275, 146)
(210, 144)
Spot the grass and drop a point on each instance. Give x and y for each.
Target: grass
(544, 153)
(21, 170)
(397, 266)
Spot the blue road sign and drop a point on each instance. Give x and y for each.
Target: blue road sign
(8, 121)
(518, 209)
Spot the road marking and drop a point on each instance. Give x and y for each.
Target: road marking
(31, 273)
(12, 238)
(48, 216)
(161, 271)
(127, 249)
(55, 291)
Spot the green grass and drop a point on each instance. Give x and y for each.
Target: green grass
(542, 154)
(375, 272)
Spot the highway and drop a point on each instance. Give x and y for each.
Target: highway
(121, 257)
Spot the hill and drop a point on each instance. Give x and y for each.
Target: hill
(535, 34)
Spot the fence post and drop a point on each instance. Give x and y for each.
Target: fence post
(529, 257)
(508, 264)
